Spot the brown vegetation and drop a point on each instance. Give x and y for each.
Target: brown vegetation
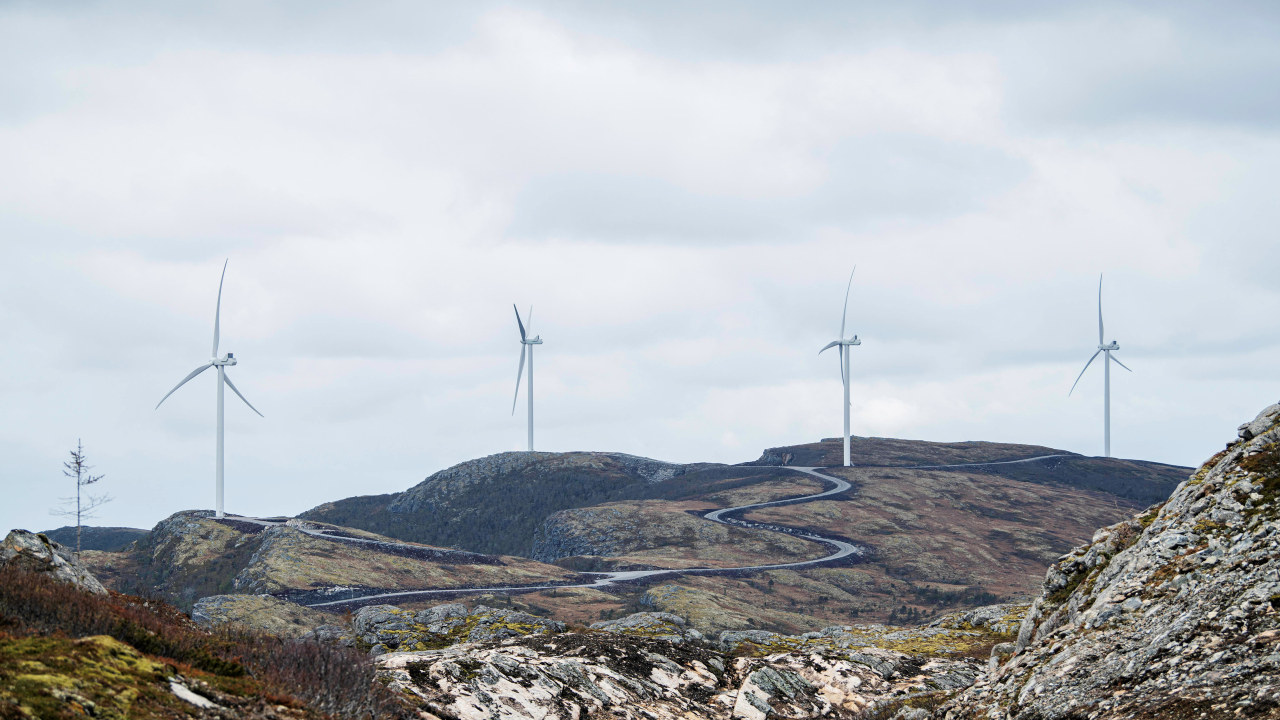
(325, 679)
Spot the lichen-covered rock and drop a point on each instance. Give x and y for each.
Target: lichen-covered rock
(663, 626)
(1173, 613)
(930, 641)
(385, 628)
(37, 553)
(1004, 619)
(260, 612)
(578, 675)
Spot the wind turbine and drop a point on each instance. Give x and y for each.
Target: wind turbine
(844, 343)
(1106, 349)
(221, 363)
(526, 343)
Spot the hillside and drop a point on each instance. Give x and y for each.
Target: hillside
(191, 555)
(938, 538)
(1174, 613)
(69, 649)
(109, 539)
(496, 504)
(1137, 480)
(931, 539)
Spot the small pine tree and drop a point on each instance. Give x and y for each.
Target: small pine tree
(84, 505)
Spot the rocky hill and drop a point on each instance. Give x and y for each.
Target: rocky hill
(495, 504)
(940, 538)
(935, 539)
(1174, 613)
(191, 555)
(1140, 481)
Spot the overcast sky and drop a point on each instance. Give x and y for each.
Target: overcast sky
(678, 189)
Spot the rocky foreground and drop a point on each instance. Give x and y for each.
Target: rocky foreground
(1175, 613)
(650, 666)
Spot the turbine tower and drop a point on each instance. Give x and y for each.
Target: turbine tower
(844, 344)
(1106, 349)
(526, 343)
(221, 363)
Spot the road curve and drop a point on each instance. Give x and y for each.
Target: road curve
(840, 548)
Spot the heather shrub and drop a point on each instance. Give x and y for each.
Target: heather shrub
(331, 680)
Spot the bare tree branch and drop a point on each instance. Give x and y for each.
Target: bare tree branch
(84, 508)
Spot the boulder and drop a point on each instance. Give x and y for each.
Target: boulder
(37, 553)
(664, 626)
(386, 628)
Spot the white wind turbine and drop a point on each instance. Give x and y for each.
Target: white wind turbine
(221, 363)
(1106, 349)
(844, 343)
(526, 343)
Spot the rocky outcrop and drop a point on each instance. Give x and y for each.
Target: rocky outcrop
(465, 506)
(1174, 613)
(575, 675)
(566, 534)
(385, 628)
(1004, 619)
(37, 553)
(660, 625)
(950, 639)
(259, 612)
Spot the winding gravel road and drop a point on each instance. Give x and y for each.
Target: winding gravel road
(840, 548)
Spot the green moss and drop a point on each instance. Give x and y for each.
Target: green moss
(55, 677)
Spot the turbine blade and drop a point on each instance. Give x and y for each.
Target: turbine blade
(237, 392)
(522, 333)
(194, 373)
(217, 314)
(1086, 367)
(843, 349)
(519, 373)
(847, 288)
(1100, 340)
(828, 346)
(529, 317)
(1113, 357)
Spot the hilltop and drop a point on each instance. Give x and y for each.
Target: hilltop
(110, 539)
(191, 555)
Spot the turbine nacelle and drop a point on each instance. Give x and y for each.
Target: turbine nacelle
(532, 341)
(1113, 346)
(226, 360)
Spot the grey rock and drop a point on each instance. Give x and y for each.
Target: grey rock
(1174, 609)
(37, 553)
(332, 634)
(660, 625)
(387, 627)
(731, 639)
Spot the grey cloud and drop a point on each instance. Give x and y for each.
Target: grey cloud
(870, 179)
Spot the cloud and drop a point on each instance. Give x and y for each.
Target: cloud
(679, 191)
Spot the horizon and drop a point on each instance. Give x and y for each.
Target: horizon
(836, 439)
